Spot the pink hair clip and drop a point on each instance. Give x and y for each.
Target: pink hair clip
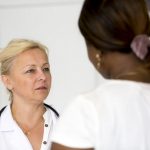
(140, 45)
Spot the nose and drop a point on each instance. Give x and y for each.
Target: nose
(41, 75)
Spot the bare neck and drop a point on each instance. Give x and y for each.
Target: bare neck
(128, 67)
(26, 112)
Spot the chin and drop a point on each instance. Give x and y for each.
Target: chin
(41, 97)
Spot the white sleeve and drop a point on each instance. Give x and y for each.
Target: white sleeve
(77, 126)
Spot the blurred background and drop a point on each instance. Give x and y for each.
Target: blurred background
(55, 24)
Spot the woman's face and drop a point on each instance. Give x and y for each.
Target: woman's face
(29, 78)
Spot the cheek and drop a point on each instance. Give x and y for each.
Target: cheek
(21, 82)
(49, 80)
(20, 87)
(24, 84)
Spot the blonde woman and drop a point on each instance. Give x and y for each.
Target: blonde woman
(27, 123)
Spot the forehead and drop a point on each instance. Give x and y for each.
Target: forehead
(34, 56)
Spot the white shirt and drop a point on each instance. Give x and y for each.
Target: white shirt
(13, 138)
(115, 116)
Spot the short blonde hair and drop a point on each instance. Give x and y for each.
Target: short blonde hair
(15, 47)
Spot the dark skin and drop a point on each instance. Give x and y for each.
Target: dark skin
(116, 65)
(56, 146)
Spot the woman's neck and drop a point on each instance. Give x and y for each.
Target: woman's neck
(140, 74)
(26, 112)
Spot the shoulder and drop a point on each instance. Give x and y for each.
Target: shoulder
(6, 120)
(112, 88)
(78, 121)
(107, 89)
(4, 111)
(112, 94)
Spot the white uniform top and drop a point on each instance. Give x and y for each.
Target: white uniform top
(13, 138)
(115, 116)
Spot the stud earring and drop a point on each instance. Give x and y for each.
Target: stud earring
(98, 57)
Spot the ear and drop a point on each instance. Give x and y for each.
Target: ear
(7, 82)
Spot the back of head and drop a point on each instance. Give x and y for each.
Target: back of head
(15, 47)
(111, 25)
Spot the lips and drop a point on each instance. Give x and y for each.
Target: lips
(41, 88)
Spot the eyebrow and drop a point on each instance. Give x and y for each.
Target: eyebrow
(33, 65)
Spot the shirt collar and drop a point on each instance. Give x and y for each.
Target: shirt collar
(6, 120)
